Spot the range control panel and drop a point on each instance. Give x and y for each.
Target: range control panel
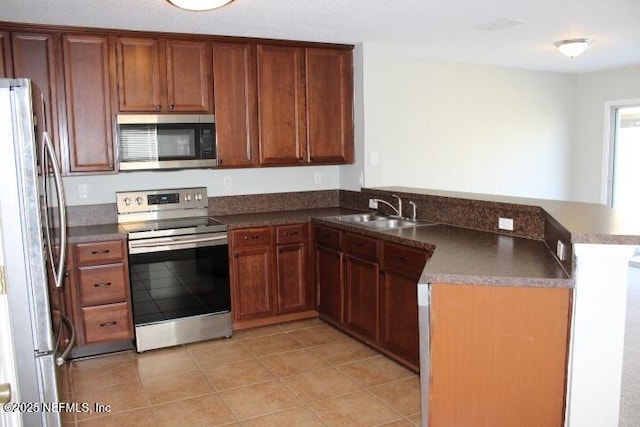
(162, 200)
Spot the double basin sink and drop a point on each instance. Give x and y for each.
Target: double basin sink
(374, 221)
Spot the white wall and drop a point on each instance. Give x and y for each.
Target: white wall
(466, 127)
(102, 188)
(593, 90)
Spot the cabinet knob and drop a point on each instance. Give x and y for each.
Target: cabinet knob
(158, 107)
(172, 107)
(5, 393)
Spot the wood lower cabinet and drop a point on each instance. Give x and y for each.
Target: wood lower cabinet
(269, 275)
(101, 294)
(498, 355)
(368, 288)
(329, 273)
(295, 290)
(401, 270)
(6, 64)
(235, 103)
(163, 75)
(251, 271)
(89, 69)
(362, 285)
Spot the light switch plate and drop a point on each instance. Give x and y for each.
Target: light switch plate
(373, 204)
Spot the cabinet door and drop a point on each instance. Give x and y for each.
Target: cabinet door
(293, 292)
(188, 76)
(88, 65)
(329, 95)
(329, 281)
(399, 316)
(139, 74)
(6, 65)
(362, 280)
(34, 57)
(498, 354)
(251, 282)
(234, 82)
(281, 105)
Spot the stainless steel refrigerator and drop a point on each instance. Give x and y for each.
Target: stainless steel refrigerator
(34, 239)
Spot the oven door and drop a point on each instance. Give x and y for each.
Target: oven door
(179, 276)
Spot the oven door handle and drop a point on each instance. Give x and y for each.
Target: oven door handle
(160, 244)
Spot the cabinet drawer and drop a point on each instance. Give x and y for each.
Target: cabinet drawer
(107, 322)
(362, 246)
(251, 237)
(102, 284)
(327, 237)
(295, 233)
(100, 252)
(403, 258)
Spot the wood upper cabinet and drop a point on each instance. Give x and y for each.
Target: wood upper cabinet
(188, 76)
(281, 105)
(6, 65)
(157, 75)
(139, 79)
(295, 292)
(498, 355)
(234, 81)
(35, 56)
(89, 73)
(329, 96)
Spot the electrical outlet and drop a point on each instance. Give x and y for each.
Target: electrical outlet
(317, 178)
(226, 182)
(82, 191)
(505, 224)
(561, 251)
(373, 204)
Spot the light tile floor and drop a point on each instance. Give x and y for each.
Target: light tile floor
(302, 373)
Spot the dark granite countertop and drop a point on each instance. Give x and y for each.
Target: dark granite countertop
(460, 255)
(279, 217)
(465, 256)
(585, 222)
(95, 233)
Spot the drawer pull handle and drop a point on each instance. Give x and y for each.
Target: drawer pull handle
(401, 258)
(100, 252)
(112, 323)
(290, 233)
(102, 285)
(251, 237)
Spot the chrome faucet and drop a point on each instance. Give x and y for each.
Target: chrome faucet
(398, 210)
(413, 215)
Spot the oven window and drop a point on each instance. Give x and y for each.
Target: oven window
(179, 283)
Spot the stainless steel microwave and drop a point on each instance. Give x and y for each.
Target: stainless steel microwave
(166, 141)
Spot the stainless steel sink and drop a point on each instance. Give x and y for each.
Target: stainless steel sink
(379, 222)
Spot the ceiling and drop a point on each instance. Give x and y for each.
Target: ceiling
(447, 30)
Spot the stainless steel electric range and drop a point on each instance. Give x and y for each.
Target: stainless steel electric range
(178, 265)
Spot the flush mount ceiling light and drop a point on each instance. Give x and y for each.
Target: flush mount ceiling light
(199, 5)
(573, 47)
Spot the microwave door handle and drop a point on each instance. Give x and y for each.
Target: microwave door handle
(57, 176)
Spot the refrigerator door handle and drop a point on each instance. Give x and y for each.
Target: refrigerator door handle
(72, 340)
(57, 176)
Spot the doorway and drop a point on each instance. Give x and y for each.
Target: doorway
(622, 155)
